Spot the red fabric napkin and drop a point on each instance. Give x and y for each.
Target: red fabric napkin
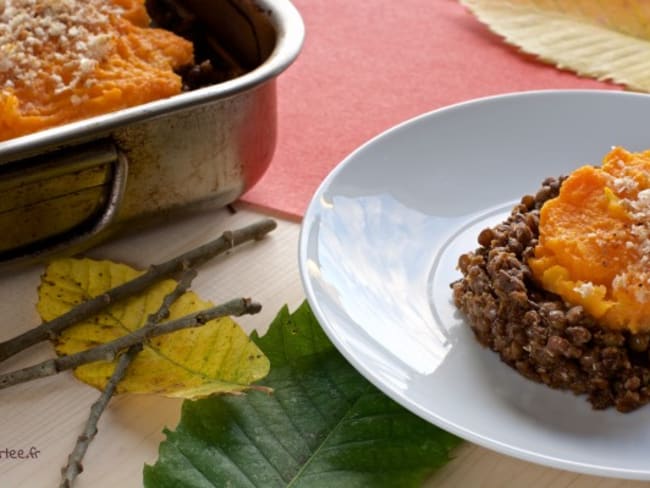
(368, 65)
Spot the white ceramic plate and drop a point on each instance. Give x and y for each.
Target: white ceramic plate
(379, 247)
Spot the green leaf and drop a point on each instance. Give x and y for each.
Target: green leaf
(324, 425)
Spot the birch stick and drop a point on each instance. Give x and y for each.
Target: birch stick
(190, 259)
(110, 350)
(74, 466)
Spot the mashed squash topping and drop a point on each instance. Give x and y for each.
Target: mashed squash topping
(594, 241)
(65, 60)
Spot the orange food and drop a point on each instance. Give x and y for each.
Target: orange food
(65, 60)
(594, 244)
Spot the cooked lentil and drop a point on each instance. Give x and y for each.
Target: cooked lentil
(209, 67)
(534, 331)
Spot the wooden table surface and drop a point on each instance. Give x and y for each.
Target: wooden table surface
(48, 414)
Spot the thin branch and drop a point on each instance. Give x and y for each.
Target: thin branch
(74, 467)
(181, 287)
(190, 259)
(109, 351)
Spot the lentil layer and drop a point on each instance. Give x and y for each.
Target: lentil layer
(534, 331)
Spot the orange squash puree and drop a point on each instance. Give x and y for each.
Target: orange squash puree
(65, 60)
(594, 244)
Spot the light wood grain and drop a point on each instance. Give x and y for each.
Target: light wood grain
(49, 413)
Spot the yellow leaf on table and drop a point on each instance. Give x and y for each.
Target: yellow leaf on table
(217, 357)
(606, 39)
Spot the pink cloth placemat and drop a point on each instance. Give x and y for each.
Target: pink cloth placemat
(368, 65)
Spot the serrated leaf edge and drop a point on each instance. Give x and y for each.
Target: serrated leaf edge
(568, 42)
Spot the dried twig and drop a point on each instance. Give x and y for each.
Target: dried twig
(110, 350)
(74, 467)
(190, 259)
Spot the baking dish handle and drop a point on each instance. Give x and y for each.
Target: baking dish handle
(59, 164)
(115, 194)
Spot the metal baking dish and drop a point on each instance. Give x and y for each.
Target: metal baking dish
(67, 188)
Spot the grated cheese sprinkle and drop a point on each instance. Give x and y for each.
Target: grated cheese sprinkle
(624, 184)
(69, 31)
(638, 208)
(585, 289)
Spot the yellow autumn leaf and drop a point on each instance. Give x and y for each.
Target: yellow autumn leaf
(216, 358)
(606, 39)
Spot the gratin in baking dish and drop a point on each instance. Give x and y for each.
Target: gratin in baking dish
(69, 187)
